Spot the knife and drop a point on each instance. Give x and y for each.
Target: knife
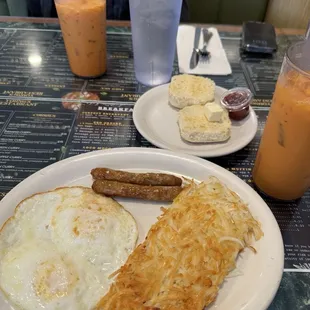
(195, 53)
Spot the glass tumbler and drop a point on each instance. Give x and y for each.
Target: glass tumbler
(83, 25)
(282, 167)
(154, 26)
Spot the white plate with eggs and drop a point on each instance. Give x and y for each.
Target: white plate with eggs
(34, 276)
(157, 121)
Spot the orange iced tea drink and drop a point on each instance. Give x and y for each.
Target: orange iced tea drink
(282, 167)
(83, 25)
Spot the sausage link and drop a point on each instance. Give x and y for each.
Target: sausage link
(156, 193)
(136, 178)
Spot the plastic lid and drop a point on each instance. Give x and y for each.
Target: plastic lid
(236, 98)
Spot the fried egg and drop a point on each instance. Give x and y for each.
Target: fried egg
(60, 247)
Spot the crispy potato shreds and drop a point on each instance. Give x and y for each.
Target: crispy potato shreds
(187, 253)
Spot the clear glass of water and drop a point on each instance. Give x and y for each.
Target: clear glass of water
(154, 26)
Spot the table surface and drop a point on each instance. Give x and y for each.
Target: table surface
(35, 119)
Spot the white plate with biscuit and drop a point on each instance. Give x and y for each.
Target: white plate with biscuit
(158, 122)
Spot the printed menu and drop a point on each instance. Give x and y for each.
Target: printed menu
(33, 63)
(47, 114)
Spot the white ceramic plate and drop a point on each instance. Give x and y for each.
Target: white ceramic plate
(260, 274)
(156, 120)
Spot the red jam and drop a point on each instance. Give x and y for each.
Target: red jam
(237, 102)
(235, 98)
(239, 115)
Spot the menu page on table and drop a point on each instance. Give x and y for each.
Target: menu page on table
(47, 114)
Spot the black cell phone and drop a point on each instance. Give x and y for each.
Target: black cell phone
(258, 37)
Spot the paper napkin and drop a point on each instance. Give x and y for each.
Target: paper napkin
(218, 63)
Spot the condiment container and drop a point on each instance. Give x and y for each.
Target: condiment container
(237, 101)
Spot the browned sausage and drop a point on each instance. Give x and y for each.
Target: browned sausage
(156, 193)
(136, 178)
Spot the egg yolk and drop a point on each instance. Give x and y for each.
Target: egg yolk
(54, 280)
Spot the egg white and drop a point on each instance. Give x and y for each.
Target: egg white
(35, 276)
(86, 230)
(59, 249)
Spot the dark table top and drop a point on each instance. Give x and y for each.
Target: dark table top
(35, 118)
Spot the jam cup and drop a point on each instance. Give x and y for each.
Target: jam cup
(237, 102)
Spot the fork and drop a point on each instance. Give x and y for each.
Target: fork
(203, 52)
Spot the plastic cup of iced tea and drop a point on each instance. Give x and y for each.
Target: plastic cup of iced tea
(282, 166)
(83, 26)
